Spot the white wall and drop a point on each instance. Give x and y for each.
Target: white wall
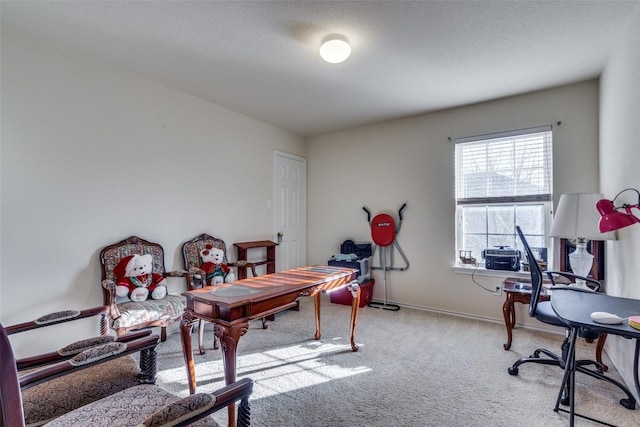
(411, 160)
(619, 169)
(92, 155)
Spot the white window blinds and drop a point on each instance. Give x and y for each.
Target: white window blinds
(507, 167)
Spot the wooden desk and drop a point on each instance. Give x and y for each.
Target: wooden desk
(516, 290)
(230, 307)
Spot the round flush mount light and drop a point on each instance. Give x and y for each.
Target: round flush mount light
(335, 48)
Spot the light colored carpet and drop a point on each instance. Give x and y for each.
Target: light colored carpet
(414, 368)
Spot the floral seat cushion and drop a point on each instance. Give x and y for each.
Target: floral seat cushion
(136, 313)
(128, 408)
(56, 397)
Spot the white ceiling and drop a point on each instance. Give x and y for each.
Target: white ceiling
(260, 58)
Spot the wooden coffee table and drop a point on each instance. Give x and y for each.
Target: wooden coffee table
(230, 307)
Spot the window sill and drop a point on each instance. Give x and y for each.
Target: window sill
(481, 271)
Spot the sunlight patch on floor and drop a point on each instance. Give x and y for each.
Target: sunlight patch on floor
(279, 370)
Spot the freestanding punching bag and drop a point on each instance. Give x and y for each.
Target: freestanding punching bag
(383, 234)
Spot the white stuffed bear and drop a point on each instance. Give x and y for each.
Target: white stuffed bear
(135, 279)
(213, 264)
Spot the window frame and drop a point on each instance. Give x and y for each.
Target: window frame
(544, 200)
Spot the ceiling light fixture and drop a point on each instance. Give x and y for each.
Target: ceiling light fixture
(335, 48)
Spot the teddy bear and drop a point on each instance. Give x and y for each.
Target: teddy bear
(135, 280)
(213, 264)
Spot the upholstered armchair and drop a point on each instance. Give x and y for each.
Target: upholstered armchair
(193, 262)
(143, 405)
(127, 315)
(48, 393)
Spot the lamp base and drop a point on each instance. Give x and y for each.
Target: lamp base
(581, 262)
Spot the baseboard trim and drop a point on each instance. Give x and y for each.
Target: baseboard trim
(557, 331)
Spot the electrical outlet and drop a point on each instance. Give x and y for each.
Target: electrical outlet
(497, 290)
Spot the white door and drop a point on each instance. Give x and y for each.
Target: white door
(290, 210)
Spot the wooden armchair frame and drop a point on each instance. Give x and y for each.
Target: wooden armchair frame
(47, 396)
(161, 313)
(168, 409)
(64, 317)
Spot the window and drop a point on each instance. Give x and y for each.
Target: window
(503, 180)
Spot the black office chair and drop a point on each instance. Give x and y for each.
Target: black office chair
(543, 311)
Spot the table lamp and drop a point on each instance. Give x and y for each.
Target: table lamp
(612, 218)
(577, 219)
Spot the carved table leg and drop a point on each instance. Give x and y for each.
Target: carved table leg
(229, 337)
(354, 288)
(201, 337)
(599, 347)
(509, 312)
(316, 300)
(186, 326)
(216, 342)
(513, 314)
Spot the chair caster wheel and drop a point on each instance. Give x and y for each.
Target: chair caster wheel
(628, 403)
(512, 370)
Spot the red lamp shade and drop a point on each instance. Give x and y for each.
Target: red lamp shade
(612, 219)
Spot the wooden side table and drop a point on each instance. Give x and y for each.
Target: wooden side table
(269, 261)
(519, 290)
(516, 290)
